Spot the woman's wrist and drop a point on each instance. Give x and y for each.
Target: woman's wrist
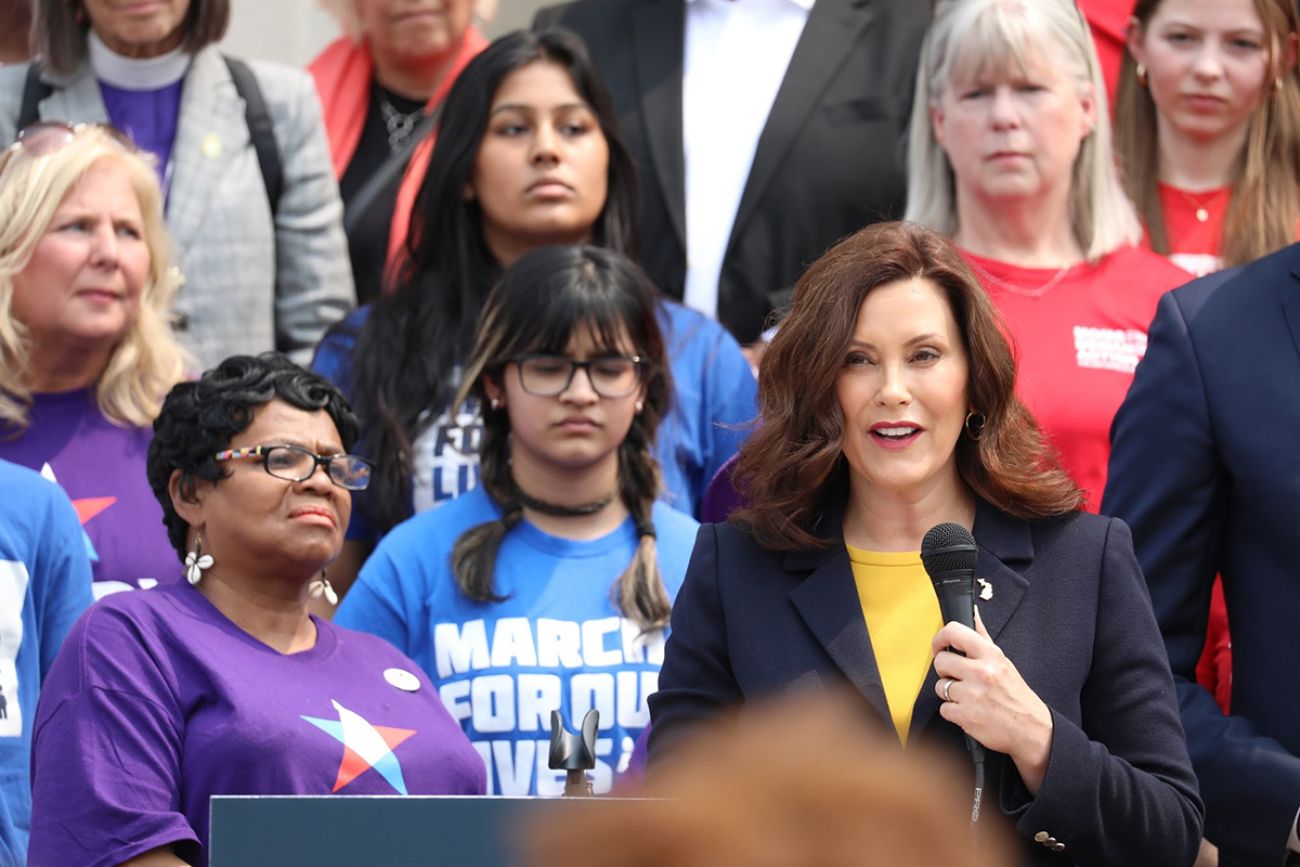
(1036, 750)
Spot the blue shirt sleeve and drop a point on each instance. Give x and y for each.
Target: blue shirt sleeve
(715, 397)
(60, 578)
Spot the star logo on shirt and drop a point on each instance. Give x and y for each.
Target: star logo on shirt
(365, 746)
(87, 508)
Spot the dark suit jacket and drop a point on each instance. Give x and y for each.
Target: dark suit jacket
(1069, 610)
(1205, 467)
(829, 161)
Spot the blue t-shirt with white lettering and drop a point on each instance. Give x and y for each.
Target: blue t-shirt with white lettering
(44, 587)
(558, 640)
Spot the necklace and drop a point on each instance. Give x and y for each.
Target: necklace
(1026, 291)
(399, 124)
(559, 510)
(1202, 213)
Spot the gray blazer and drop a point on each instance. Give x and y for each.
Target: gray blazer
(253, 281)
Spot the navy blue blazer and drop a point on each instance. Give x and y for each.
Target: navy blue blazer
(1068, 608)
(1205, 467)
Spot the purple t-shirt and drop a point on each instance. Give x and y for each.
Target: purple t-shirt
(157, 702)
(101, 467)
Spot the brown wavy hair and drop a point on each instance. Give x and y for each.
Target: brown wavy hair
(795, 460)
(1265, 204)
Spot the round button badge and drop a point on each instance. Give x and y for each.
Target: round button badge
(402, 679)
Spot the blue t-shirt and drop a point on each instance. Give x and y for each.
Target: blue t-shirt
(556, 642)
(44, 587)
(714, 397)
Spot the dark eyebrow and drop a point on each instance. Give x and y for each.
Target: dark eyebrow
(920, 338)
(532, 109)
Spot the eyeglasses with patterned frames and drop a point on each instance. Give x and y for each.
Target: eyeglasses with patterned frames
(547, 375)
(47, 136)
(297, 464)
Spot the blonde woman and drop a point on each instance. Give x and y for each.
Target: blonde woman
(86, 354)
(1011, 157)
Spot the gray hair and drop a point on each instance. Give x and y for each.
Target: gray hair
(1005, 32)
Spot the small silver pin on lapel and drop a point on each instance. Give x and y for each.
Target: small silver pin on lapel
(986, 589)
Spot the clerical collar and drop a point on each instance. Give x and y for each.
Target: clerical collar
(131, 73)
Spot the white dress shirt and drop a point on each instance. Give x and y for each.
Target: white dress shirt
(736, 54)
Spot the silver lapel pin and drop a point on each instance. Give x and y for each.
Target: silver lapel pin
(986, 589)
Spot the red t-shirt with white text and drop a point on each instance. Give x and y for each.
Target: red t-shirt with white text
(1078, 337)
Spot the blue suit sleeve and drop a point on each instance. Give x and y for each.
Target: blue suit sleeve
(1168, 483)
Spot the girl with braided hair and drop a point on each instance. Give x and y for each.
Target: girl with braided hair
(548, 587)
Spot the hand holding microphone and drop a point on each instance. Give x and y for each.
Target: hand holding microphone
(990, 701)
(982, 691)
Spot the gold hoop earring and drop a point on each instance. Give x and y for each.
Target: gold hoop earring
(975, 422)
(1141, 72)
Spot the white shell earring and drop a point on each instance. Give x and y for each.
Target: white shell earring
(196, 561)
(322, 587)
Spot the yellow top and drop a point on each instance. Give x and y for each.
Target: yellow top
(902, 615)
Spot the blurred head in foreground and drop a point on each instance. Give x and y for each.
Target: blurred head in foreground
(796, 784)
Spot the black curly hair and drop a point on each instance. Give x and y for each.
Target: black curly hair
(199, 418)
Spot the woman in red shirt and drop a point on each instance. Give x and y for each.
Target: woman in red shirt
(1219, 182)
(1011, 157)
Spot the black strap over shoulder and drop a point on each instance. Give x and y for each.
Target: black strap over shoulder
(260, 129)
(256, 115)
(34, 90)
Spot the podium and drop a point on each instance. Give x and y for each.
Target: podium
(392, 830)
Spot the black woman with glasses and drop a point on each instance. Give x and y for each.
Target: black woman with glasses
(548, 587)
(86, 356)
(225, 683)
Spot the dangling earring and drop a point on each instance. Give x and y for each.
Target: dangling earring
(322, 587)
(975, 422)
(1141, 71)
(196, 561)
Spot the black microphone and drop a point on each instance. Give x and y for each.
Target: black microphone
(948, 553)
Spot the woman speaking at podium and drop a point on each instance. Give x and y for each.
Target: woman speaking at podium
(888, 407)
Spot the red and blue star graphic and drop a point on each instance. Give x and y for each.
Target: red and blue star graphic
(365, 746)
